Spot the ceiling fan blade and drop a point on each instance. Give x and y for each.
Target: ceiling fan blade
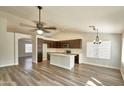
(38, 22)
(26, 25)
(46, 31)
(33, 30)
(52, 28)
(34, 21)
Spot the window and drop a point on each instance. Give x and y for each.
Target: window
(102, 51)
(28, 48)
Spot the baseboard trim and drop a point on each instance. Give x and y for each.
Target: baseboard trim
(16, 64)
(34, 62)
(101, 65)
(24, 56)
(7, 65)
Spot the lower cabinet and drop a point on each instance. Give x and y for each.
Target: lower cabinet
(40, 57)
(77, 59)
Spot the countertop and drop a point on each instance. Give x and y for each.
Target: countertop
(62, 53)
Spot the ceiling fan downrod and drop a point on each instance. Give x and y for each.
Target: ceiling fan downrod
(39, 7)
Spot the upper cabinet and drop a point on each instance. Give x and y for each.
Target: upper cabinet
(76, 43)
(50, 43)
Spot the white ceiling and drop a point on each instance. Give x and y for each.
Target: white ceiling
(73, 18)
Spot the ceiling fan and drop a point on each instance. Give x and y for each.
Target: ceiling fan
(39, 27)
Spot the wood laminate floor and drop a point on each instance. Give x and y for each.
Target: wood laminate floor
(44, 74)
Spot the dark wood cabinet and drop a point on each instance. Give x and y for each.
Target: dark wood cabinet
(39, 56)
(50, 44)
(39, 47)
(77, 59)
(58, 44)
(77, 43)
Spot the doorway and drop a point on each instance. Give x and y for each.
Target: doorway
(25, 52)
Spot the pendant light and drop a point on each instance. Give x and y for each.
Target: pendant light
(97, 40)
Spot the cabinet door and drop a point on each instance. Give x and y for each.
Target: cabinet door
(39, 46)
(77, 59)
(57, 44)
(75, 43)
(49, 45)
(40, 57)
(64, 44)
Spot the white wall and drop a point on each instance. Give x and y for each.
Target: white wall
(21, 47)
(6, 45)
(44, 51)
(34, 48)
(9, 45)
(122, 57)
(115, 60)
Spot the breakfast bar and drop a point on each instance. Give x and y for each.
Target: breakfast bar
(62, 60)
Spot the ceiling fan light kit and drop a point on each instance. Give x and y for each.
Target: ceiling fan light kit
(39, 27)
(39, 31)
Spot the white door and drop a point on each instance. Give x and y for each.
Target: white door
(44, 51)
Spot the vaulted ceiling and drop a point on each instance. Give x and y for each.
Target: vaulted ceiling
(70, 18)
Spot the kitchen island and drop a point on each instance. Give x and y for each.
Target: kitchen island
(63, 60)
